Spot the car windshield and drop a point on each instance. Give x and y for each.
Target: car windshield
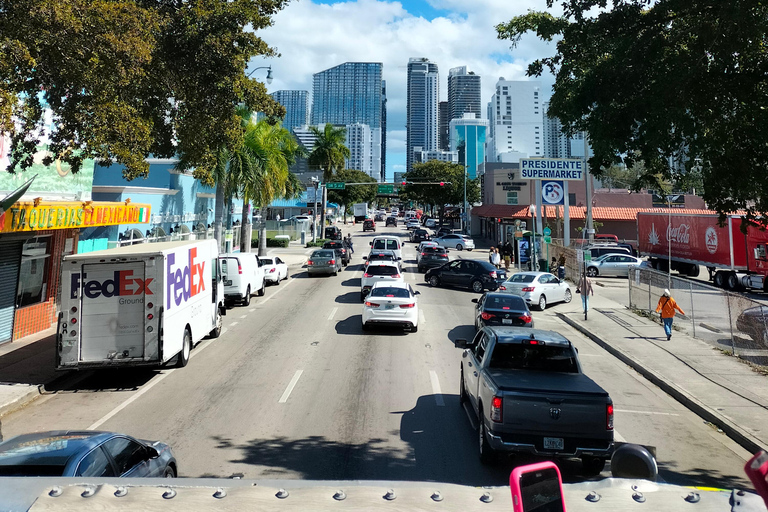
(401, 293)
(382, 270)
(521, 278)
(547, 358)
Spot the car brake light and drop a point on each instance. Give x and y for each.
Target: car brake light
(486, 316)
(526, 318)
(423, 254)
(502, 287)
(310, 262)
(406, 306)
(367, 275)
(493, 274)
(371, 304)
(529, 288)
(239, 268)
(505, 307)
(609, 416)
(443, 255)
(332, 262)
(271, 270)
(496, 409)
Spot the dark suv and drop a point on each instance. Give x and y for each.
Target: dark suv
(472, 274)
(369, 225)
(342, 250)
(332, 233)
(391, 221)
(420, 235)
(432, 257)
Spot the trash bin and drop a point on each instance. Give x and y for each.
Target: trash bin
(561, 272)
(543, 265)
(303, 238)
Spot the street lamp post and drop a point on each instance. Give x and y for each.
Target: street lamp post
(669, 242)
(465, 218)
(269, 73)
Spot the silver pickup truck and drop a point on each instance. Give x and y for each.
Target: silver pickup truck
(528, 391)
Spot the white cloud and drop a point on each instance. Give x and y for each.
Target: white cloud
(312, 37)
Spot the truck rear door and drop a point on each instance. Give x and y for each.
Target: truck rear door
(112, 311)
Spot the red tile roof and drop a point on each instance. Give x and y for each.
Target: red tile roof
(600, 213)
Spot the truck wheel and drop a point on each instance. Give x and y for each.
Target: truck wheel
(733, 282)
(487, 454)
(263, 288)
(216, 332)
(593, 466)
(462, 390)
(247, 299)
(477, 286)
(186, 347)
(719, 279)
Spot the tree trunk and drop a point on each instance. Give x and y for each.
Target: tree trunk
(246, 227)
(262, 235)
(218, 216)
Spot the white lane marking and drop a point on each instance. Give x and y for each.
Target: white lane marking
(422, 320)
(436, 389)
(618, 437)
(233, 324)
(243, 316)
(283, 287)
(333, 312)
(646, 412)
(291, 385)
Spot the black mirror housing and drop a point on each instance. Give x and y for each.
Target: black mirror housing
(460, 343)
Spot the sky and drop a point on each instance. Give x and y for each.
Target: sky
(315, 35)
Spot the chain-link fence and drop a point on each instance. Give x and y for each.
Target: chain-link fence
(726, 320)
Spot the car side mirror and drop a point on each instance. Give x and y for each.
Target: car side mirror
(398, 259)
(152, 453)
(365, 257)
(460, 343)
(474, 301)
(417, 293)
(370, 243)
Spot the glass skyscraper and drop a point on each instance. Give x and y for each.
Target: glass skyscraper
(296, 105)
(463, 92)
(422, 108)
(468, 137)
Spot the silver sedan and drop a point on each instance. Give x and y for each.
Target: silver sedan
(613, 265)
(537, 288)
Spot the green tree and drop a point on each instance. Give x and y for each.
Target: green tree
(677, 84)
(437, 196)
(329, 151)
(126, 79)
(355, 193)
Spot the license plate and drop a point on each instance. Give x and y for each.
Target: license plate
(389, 306)
(227, 282)
(506, 321)
(553, 443)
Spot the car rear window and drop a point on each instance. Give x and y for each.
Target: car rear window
(433, 249)
(522, 278)
(382, 270)
(381, 257)
(385, 244)
(505, 302)
(401, 293)
(323, 254)
(547, 358)
(266, 261)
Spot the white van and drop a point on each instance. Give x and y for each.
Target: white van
(388, 243)
(243, 274)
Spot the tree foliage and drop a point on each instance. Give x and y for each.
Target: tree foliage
(355, 193)
(677, 84)
(128, 78)
(435, 171)
(330, 150)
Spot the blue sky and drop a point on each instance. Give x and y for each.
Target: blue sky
(314, 35)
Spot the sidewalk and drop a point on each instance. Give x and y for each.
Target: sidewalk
(720, 388)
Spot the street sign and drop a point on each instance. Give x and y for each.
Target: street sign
(335, 185)
(551, 169)
(386, 189)
(547, 239)
(552, 192)
(547, 231)
(587, 255)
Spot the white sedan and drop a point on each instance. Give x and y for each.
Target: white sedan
(455, 241)
(275, 269)
(391, 303)
(537, 288)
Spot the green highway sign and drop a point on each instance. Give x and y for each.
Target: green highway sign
(335, 185)
(386, 189)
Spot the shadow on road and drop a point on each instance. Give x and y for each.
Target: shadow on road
(349, 298)
(466, 332)
(355, 282)
(700, 477)
(101, 381)
(351, 325)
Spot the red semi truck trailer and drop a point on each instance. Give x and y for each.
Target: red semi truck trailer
(735, 260)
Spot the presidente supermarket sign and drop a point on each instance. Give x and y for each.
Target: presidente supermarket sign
(551, 169)
(32, 216)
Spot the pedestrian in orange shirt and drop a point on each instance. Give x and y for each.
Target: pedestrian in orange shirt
(667, 307)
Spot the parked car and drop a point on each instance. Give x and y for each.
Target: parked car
(389, 243)
(323, 261)
(430, 223)
(391, 221)
(369, 225)
(754, 323)
(537, 288)
(299, 218)
(343, 250)
(86, 453)
(333, 233)
(607, 237)
(275, 269)
(392, 303)
(530, 395)
(456, 241)
(420, 235)
(613, 265)
(381, 256)
(476, 275)
(596, 250)
(496, 308)
(243, 274)
(431, 256)
(379, 272)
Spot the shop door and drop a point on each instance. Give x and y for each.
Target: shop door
(10, 258)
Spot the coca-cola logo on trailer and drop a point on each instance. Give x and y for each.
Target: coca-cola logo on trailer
(710, 239)
(681, 234)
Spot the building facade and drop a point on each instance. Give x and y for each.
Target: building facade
(468, 138)
(516, 116)
(296, 105)
(443, 125)
(420, 156)
(422, 107)
(463, 93)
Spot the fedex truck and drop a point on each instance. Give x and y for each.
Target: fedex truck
(734, 259)
(138, 305)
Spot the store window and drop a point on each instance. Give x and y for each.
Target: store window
(33, 273)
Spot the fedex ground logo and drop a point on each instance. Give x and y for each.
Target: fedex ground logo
(122, 284)
(183, 280)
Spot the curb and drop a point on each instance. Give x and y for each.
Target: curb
(743, 438)
(31, 395)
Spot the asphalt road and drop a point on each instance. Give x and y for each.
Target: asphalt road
(294, 389)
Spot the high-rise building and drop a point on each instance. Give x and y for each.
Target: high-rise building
(444, 120)
(349, 94)
(420, 156)
(556, 143)
(421, 110)
(360, 148)
(296, 105)
(516, 114)
(468, 136)
(463, 92)
(383, 130)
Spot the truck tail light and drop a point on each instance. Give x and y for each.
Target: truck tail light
(529, 288)
(150, 316)
(496, 409)
(526, 318)
(486, 316)
(493, 274)
(406, 306)
(73, 321)
(150, 305)
(371, 304)
(239, 268)
(609, 417)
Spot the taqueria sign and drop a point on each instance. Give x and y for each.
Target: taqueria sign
(32, 215)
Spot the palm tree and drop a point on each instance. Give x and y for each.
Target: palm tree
(329, 151)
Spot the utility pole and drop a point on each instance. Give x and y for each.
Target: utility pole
(588, 189)
(315, 182)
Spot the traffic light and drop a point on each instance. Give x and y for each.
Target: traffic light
(403, 183)
(442, 183)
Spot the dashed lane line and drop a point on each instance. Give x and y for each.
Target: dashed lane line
(291, 385)
(436, 389)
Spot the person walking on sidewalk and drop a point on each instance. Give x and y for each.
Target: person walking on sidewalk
(585, 289)
(490, 254)
(667, 306)
(496, 258)
(506, 253)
